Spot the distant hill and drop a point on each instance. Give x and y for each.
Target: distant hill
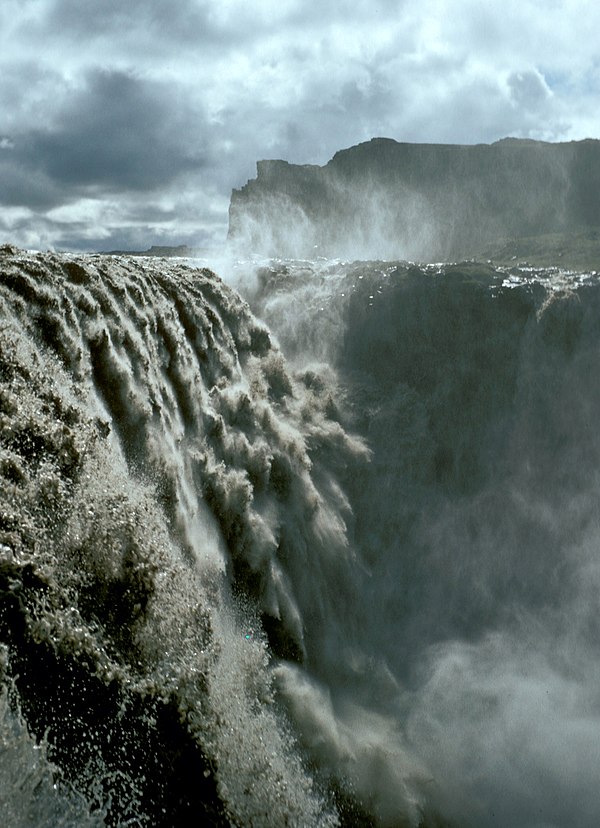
(181, 250)
(384, 199)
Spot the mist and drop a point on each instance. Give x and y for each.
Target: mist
(346, 520)
(475, 522)
(422, 202)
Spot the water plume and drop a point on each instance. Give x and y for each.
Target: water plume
(325, 558)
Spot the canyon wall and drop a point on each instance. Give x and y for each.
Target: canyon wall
(384, 199)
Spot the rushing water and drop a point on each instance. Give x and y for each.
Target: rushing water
(339, 566)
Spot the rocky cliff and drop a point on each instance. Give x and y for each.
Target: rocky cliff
(384, 199)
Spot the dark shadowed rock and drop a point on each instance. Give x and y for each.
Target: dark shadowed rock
(384, 199)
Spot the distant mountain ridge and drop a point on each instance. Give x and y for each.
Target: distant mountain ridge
(385, 199)
(161, 250)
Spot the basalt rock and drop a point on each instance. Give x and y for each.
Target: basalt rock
(384, 199)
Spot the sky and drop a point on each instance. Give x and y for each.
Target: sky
(127, 124)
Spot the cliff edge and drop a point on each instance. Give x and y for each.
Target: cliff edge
(385, 199)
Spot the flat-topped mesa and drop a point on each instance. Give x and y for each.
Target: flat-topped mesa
(384, 199)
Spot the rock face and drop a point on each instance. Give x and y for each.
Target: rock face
(384, 199)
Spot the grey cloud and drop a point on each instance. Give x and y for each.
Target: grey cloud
(29, 92)
(117, 133)
(161, 17)
(152, 213)
(21, 185)
(479, 110)
(153, 24)
(528, 89)
(368, 101)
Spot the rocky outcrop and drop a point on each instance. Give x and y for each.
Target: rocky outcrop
(182, 251)
(384, 199)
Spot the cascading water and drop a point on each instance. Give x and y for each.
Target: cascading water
(335, 567)
(150, 465)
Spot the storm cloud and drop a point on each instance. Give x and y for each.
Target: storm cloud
(116, 132)
(132, 122)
